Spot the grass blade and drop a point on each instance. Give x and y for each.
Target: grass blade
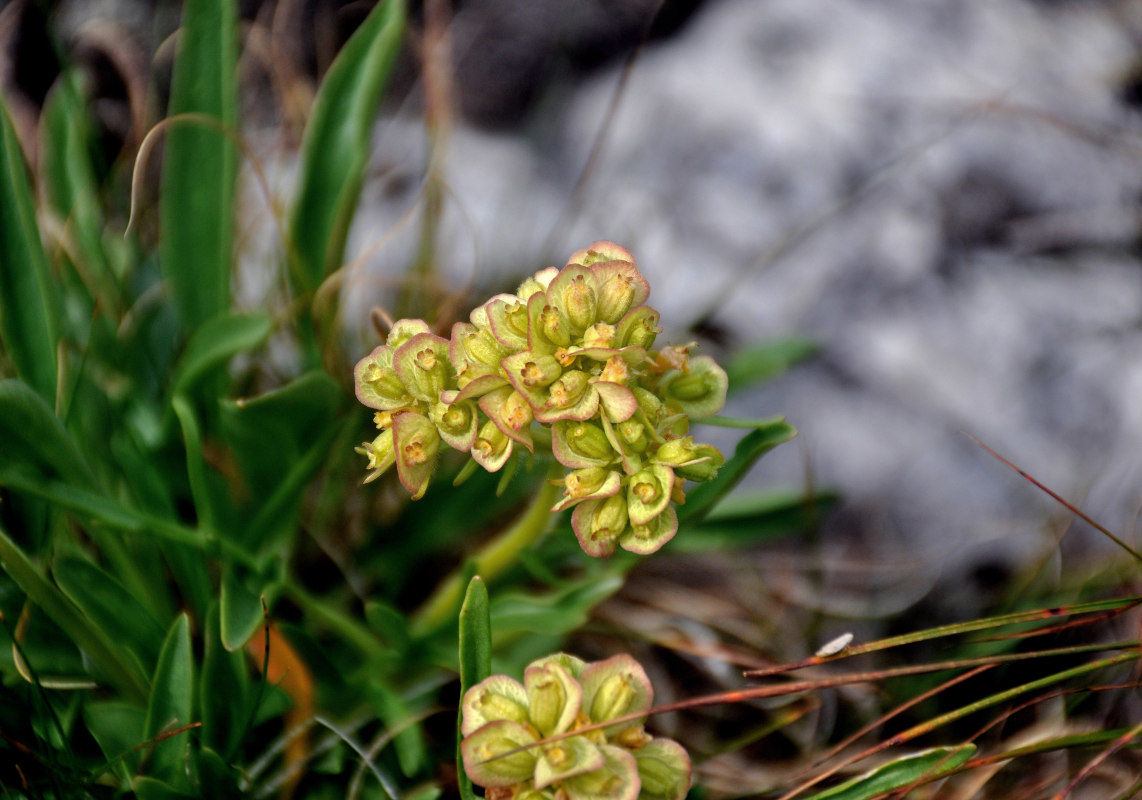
(335, 146)
(28, 326)
(908, 770)
(200, 164)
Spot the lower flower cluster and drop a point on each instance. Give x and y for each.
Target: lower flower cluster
(546, 739)
(570, 351)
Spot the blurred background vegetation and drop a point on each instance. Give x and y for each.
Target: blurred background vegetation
(210, 209)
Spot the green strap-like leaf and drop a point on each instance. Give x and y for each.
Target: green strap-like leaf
(109, 661)
(200, 163)
(335, 146)
(916, 768)
(27, 315)
(34, 437)
(475, 659)
(168, 711)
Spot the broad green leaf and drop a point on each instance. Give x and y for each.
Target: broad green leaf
(241, 608)
(766, 360)
(28, 318)
(169, 710)
(105, 601)
(767, 434)
(475, 660)
(147, 788)
(35, 439)
(215, 343)
(916, 768)
(556, 613)
(280, 439)
(336, 144)
(109, 661)
(223, 692)
(200, 162)
(118, 729)
(71, 188)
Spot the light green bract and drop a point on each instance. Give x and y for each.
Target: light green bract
(571, 351)
(505, 725)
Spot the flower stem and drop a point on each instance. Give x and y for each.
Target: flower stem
(496, 556)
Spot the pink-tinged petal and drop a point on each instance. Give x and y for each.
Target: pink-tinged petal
(663, 769)
(377, 383)
(476, 388)
(648, 493)
(405, 329)
(553, 698)
(600, 251)
(508, 318)
(570, 397)
(649, 538)
(423, 365)
(618, 401)
(417, 443)
(578, 444)
(511, 413)
(456, 423)
(474, 350)
(497, 697)
(484, 753)
(588, 484)
(492, 447)
(617, 780)
(615, 688)
(545, 276)
(566, 759)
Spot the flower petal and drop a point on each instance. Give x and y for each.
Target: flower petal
(649, 538)
(615, 688)
(484, 752)
(417, 443)
(495, 698)
(663, 769)
(617, 780)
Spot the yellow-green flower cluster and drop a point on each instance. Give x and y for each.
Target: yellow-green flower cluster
(570, 350)
(504, 724)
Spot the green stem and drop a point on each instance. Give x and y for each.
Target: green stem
(497, 556)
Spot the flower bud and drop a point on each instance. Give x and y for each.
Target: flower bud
(456, 423)
(646, 538)
(581, 303)
(599, 523)
(377, 384)
(579, 444)
(381, 454)
(615, 688)
(495, 698)
(486, 759)
(417, 442)
(632, 433)
(704, 465)
(648, 493)
(616, 295)
(553, 698)
(701, 392)
(566, 759)
(422, 363)
(568, 390)
(554, 326)
(405, 329)
(617, 780)
(492, 447)
(599, 335)
(663, 769)
(638, 328)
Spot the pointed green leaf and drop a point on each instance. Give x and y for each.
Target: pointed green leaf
(916, 768)
(200, 163)
(767, 434)
(169, 710)
(216, 342)
(766, 360)
(475, 660)
(113, 609)
(336, 144)
(108, 659)
(117, 727)
(241, 608)
(28, 325)
(224, 690)
(34, 437)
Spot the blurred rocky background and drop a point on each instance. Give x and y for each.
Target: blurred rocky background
(942, 194)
